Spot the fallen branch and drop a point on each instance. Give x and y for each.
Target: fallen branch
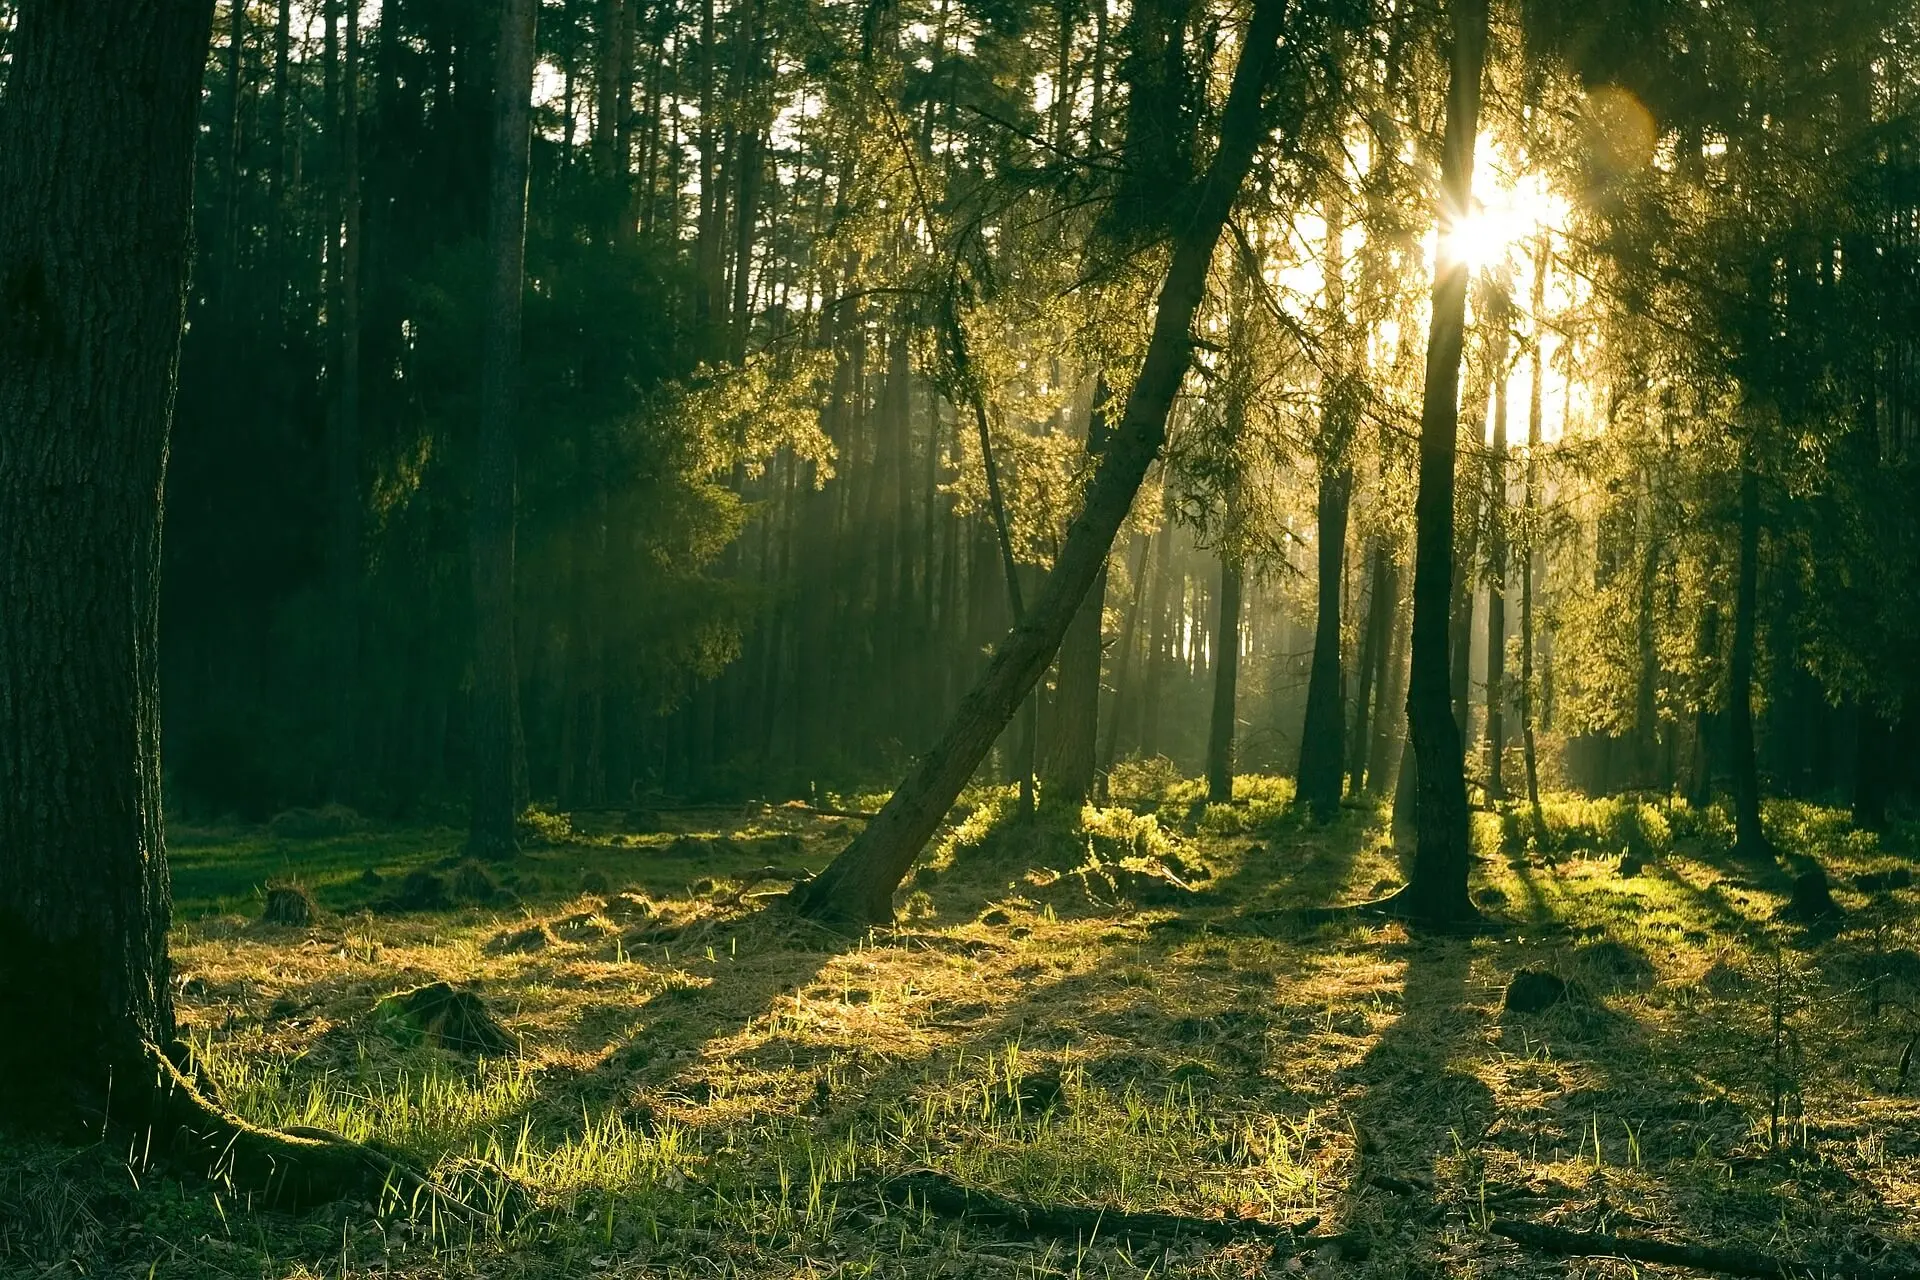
(1732, 1262)
(941, 1195)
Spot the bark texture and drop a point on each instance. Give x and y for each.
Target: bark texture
(492, 531)
(1437, 894)
(96, 166)
(857, 887)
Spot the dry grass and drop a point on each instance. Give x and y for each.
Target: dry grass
(705, 1082)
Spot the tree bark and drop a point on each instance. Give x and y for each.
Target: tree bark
(1372, 665)
(96, 144)
(1123, 662)
(1496, 500)
(857, 887)
(1226, 675)
(495, 679)
(1542, 261)
(344, 448)
(1323, 755)
(1436, 896)
(1750, 841)
(1068, 771)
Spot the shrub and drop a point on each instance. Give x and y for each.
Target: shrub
(324, 823)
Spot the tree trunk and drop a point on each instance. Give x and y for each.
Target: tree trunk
(1226, 674)
(857, 887)
(1372, 665)
(1437, 894)
(344, 452)
(1496, 509)
(1123, 661)
(1390, 715)
(1542, 260)
(491, 829)
(96, 166)
(1069, 769)
(1323, 756)
(1750, 841)
(96, 144)
(1322, 733)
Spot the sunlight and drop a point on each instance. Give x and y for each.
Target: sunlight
(1507, 215)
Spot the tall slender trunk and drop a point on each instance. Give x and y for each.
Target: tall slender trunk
(1069, 767)
(1159, 642)
(345, 445)
(495, 680)
(1390, 715)
(1226, 675)
(1750, 839)
(1372, 664)
(1123, 660)
(857, 887)
(1542, 261)
(1496, 500)
(1437, 893)
(1323, 755)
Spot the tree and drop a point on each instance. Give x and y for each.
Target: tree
(1436, 895)
(1322, 735)
(857, 887)
(495, 697)
(96, 145)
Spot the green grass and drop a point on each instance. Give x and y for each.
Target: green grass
(705, 1088)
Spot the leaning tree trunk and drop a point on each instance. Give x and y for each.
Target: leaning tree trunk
(1750, 840)
(1436, 896)
(857, 887)
(491, 536)
(96, 164)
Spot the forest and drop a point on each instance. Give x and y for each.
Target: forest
(966, 638)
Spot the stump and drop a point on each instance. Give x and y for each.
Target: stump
(442, 1014)
(289, 905)
(421, 891)
(1811, 899)
(1533, 991)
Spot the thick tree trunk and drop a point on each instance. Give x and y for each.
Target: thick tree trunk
(857, 887)
(1437, 894)
(96, 144)
(491, 828)
(1750, 840)
(96, 162)
(1226, 676)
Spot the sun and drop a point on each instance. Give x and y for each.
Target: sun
(1508, 215)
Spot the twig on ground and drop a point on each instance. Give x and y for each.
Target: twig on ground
(1732, 1262)
(939, 1194)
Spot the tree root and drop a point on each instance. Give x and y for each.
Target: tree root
(292, 1169)
(1732, 1262)
(936, 1193)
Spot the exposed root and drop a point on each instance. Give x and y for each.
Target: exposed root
(289, 1170)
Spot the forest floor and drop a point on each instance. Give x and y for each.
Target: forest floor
(704, 1085)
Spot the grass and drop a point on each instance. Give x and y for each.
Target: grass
(707, 1088)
